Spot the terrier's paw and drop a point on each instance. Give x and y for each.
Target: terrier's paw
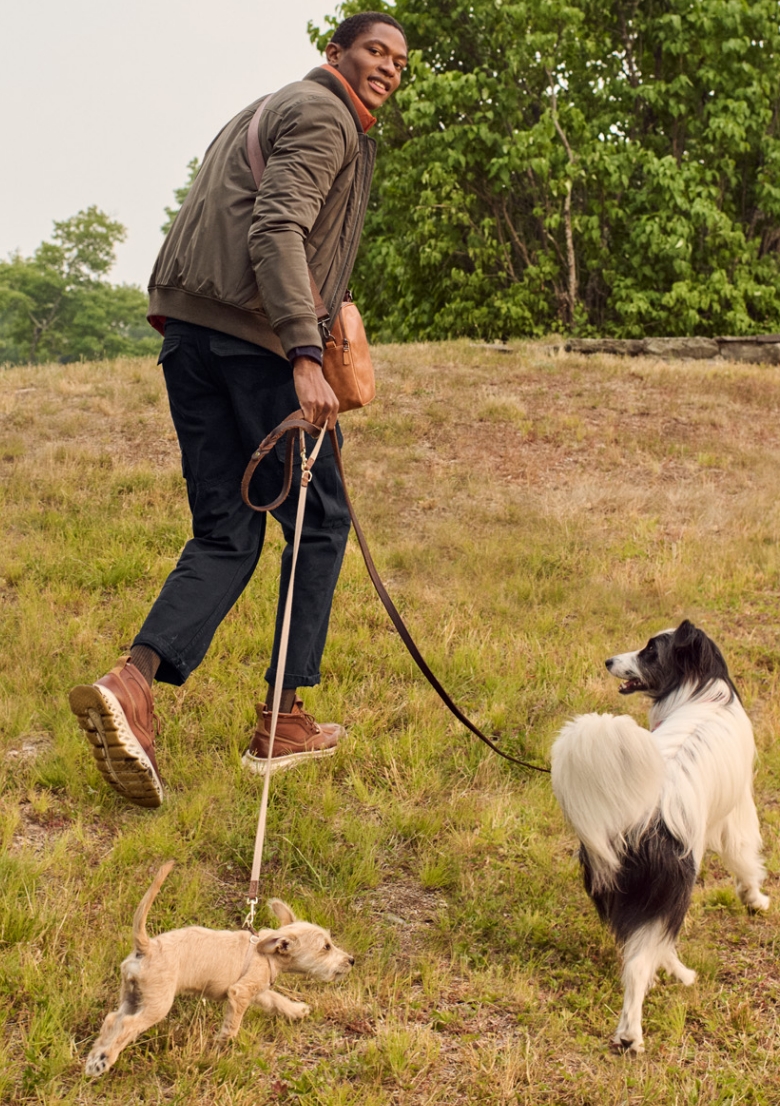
(298, 1010)
(97, 1064)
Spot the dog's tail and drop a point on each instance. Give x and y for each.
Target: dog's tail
(607, 775)
(140, 938)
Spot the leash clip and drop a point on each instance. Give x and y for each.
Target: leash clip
(249, 920)
(305, 466)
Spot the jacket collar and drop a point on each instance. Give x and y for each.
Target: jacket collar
(367, 120)
(329, 77)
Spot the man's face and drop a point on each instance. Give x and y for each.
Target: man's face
(372, 64)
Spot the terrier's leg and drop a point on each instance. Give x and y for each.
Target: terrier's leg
(239, 997)
(274, 1003)
(118, 1031)
(135, 1014)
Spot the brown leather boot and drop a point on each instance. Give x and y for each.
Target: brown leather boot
(117, 714)
(298, 739)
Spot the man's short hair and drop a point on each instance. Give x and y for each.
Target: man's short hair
(355, 25)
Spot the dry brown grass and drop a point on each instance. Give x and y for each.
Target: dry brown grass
(531, 513)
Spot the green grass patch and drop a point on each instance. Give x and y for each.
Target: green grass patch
(531, 513)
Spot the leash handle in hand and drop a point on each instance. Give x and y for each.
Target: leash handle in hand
(288, 427)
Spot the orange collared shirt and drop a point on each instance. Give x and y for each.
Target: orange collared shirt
(367, 120)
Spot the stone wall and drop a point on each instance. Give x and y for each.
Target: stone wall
(761, 349)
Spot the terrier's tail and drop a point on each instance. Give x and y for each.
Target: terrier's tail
(140, 938)
(607, 775)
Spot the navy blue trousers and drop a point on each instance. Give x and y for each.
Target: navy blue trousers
(225, 396)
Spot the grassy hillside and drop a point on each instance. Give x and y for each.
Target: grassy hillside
(531, 513)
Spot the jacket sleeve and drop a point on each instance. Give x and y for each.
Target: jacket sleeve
(306, 146)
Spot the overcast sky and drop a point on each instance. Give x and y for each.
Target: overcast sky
(106, 101)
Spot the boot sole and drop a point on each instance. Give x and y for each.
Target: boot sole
(259, 765)
(119, 755)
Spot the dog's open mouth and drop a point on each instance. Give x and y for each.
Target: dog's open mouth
(630, 686)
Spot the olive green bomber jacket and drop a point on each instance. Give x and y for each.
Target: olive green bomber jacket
(236, 257)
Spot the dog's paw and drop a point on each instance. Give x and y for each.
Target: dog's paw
(297, 1010)
(757, 903)
(627, 1047)
(97, 1064)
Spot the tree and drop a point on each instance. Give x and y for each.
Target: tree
(577, 165)
(57, 304)
(181, 194)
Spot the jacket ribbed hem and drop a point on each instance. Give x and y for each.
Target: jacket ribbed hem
(173, 303)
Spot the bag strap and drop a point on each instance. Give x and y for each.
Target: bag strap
(254, 153)
(257, 165)
(289, 426)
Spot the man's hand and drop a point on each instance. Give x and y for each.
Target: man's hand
(317, 398)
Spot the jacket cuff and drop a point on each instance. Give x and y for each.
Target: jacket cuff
(294, 331)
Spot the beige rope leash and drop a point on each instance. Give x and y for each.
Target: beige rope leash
(306, 467)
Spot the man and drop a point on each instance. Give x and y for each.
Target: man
(242, 350)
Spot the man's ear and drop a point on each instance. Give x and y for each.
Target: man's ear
(333, 54)
(274, 945)
(282, 912)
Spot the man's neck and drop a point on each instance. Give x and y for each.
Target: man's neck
(367, 120)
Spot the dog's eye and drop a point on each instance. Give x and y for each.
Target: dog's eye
(327, 946)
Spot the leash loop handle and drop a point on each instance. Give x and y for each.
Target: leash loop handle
(293, 423)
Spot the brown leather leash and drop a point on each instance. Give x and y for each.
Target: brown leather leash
(289, 427)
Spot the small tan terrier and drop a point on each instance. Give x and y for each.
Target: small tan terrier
(224, 965)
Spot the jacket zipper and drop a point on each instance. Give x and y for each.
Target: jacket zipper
(366, 166)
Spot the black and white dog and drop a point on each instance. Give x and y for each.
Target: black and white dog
(646, 804)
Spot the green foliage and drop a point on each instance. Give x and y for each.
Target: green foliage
(574, 166)
(56, 305)
(181, 194)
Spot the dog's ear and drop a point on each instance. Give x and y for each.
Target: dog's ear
(276, 945)
(282, 912)
(686, 634)
(689, 647)
(697, 656)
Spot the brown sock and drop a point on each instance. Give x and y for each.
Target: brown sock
(287, 701)
(146, 661)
